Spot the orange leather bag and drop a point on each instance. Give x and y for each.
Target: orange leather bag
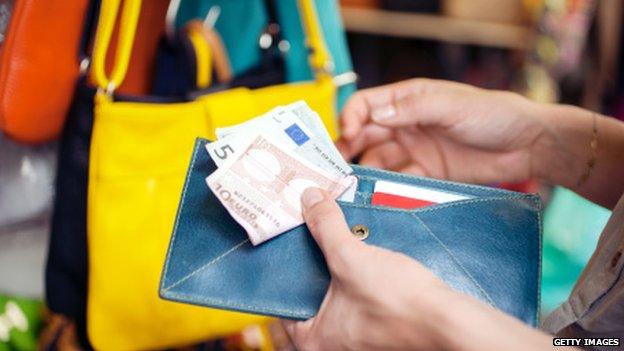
(39, 65)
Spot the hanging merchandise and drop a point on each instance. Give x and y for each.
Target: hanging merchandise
(563, 27)
(151, 28)
(138, 158)
(66, 267)
(244, 42)
(186, 58)
(37, 70)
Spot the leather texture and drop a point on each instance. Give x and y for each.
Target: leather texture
(487, 246)
(38, 70)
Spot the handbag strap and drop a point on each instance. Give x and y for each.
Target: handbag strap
(203, 54)
(320, 60)
(103, 35)
(88, 30)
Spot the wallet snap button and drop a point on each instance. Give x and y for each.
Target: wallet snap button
(360, 231)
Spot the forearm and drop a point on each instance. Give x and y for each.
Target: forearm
(563, 151)
(470, 325)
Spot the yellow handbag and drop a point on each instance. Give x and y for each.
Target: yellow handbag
(139, 154)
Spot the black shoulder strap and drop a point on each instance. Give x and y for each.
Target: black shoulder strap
(89, 26)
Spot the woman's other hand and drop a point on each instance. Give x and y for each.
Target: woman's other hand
(444, 130)
(454, 131)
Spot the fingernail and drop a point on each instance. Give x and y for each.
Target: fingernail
(383, 113)
(311, 197)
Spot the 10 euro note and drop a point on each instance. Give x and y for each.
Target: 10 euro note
(261, 187)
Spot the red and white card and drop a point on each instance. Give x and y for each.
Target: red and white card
(408, 196)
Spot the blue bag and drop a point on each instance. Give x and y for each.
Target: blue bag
(241, 22)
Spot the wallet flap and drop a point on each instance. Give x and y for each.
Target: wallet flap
(487, 246)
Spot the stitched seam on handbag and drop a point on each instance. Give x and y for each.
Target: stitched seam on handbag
(188, 276)
(427, 180)
(450, 253)
(219, 303)
(180, 207)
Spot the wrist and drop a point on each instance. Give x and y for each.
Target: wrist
(443, 322)
(488, 329)
(558, 154)
(452, 318)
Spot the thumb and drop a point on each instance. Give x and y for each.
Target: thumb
(327, 224)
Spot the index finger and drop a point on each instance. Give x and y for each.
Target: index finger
(357, 111)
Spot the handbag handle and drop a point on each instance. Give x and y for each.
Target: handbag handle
(127, 30)
(320, 60)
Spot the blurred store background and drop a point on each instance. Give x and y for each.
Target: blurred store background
(549, 50)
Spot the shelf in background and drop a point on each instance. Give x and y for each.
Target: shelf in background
(436, 27)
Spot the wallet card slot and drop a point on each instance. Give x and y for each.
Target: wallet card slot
(440, 192)
(373, 174)
(529, 199)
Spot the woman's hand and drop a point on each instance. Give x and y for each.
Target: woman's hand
(444, 130)
(382, 300)
(454, 131)
(377, 299)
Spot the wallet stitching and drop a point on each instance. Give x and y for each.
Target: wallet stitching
(249, 308)
(188, 276)
(243, 307)
(454, 258)
(177, 222)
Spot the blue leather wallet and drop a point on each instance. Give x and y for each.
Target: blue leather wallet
(488, 246)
